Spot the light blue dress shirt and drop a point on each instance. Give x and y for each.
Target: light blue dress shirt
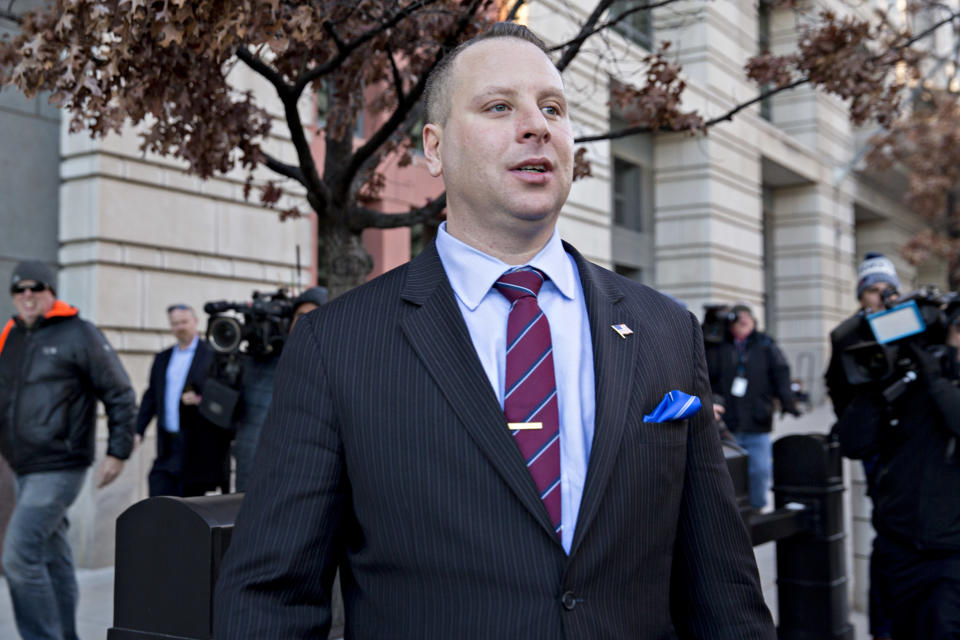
(472, 274)
(177, 370)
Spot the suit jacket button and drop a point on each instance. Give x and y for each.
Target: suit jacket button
(568, 600)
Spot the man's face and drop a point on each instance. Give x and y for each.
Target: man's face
(31, 305)
(183, 324)
(506, 149)
(872, 297)
(743, 326)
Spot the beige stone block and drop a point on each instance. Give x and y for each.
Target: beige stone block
(79, 209)
(589, 239)
(114, 337)
(78, 252)
(180, 261)
(184, 181)
(216, 266)
(253, 233)
(119, 296)
(221, 188)
(162, 217)
(80, 166)
(139, 342)
(77, 285)
(249, 270)
(142, 256)
(139, 170)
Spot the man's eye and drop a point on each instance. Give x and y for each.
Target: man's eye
(499, 108)
(551, 111)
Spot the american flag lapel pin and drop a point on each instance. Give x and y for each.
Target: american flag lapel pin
(622, 330)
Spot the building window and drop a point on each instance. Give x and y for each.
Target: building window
(637, 27)
(628, 194)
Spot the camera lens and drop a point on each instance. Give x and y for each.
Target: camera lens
(224, 334)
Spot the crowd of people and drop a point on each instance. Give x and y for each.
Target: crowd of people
(476, 440)
(54, 369)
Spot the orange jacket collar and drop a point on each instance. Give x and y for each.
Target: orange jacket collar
(60, 309)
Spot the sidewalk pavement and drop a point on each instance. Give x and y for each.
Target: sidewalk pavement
(95, 614)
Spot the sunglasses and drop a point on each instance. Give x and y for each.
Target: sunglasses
(36, 288)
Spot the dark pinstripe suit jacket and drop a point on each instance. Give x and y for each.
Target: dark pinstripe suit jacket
(385, 454)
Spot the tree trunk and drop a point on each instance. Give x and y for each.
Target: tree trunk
(347, 261)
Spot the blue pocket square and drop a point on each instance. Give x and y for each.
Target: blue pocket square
(676, 405)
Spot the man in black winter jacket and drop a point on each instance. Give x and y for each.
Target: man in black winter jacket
(747, 371)
(53, 369)
(877, 282)
(916, 493)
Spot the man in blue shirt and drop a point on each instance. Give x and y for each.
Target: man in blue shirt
(479, 440)
(192, 453)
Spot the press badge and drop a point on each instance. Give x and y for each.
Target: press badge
(739, 387)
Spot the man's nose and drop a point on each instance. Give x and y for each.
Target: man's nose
(533, 125)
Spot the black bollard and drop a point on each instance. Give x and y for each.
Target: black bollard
(168, 557)
(167, 562)
(811, 564)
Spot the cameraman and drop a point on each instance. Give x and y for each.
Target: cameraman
(256, 387)
(916, 505)
(877, 283)
(747, 371)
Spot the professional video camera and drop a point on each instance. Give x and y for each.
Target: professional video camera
(259, 331)
(717, 319)
(918, 320)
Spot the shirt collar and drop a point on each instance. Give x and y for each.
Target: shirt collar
(191, 347)
(472, 272)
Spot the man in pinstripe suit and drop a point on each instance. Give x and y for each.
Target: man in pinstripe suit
(387, 454)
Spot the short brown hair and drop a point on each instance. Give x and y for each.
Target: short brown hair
(436, 97)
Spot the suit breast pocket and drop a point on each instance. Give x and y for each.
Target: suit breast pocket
(673, 432)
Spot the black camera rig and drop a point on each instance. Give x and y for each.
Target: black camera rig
(922, 317)
(257, 329)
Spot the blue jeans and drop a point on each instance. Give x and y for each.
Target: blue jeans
(37, 561)
(758, 466)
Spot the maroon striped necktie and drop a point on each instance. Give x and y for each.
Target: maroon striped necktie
(530, 397)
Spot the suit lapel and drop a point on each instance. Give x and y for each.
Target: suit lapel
(614, 363)
(439, 336)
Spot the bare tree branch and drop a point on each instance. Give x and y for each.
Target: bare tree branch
(514, 10)
(348, 48)
(308, 174)
(364, 218)
(287, 170)
(728, 115)
(262, 68)
(590, 27)
(373, 143)
(397, 80)
(8, 14)
(332, 32)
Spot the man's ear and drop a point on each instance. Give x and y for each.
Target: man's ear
(432, 134)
